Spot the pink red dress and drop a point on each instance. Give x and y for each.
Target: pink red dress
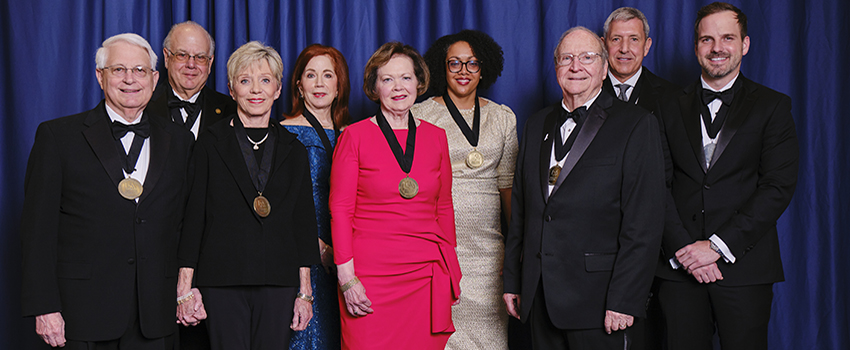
(403, 249)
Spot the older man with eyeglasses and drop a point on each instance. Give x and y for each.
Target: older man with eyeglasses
(102, 211)
(587, 209)
(188, 53)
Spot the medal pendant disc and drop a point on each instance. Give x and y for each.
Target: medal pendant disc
(262, 206)
(554, 172)
(130, 188)
(408, 188)
(474, 159)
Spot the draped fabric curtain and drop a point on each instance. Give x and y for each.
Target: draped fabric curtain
(796, 48)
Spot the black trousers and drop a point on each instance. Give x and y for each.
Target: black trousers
(693, 311)
(249, 318)
(545, 336)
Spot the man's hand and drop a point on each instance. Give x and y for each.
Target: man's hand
(51, 328)
(696, 255)
(707, 274)
(512, 304)
(615, 321)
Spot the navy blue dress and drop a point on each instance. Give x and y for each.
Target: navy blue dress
(323, 330)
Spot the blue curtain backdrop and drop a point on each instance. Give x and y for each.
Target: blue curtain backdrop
(797, 47)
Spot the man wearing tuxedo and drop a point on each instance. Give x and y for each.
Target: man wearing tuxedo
(185, 98)
(626, 35)
(104, 198)
(587, 209)
(732, 161)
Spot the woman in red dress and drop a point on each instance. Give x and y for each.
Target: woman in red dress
(392, 216)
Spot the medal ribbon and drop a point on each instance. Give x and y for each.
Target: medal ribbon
(259, 174)
(131, 158)
(329, 150)
(405, 160)
(471, 134)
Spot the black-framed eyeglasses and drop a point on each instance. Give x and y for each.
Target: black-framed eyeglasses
(182, 57)
(455, 66)
(585, 58)
(119, 70)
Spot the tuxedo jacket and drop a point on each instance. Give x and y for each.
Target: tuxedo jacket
(649, 90)
(593, 242)
(224, 240)
(747, 186)
(217, 106)
(87, 249)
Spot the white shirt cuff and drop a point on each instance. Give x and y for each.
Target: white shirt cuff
(727, 254)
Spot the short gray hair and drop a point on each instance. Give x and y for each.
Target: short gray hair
(576, 29)
(130, 38)
(167, 42)
(626, 14)
(251, 53)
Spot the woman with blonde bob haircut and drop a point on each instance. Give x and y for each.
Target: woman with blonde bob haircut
(392, 218)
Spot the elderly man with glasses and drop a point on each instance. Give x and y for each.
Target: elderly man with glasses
(587, 209)
(102, 211)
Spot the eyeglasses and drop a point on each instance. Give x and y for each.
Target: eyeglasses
(182, 57)
(472, 66)
(120, 71)
(586, 58)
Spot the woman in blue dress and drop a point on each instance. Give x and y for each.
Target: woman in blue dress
(320, 90)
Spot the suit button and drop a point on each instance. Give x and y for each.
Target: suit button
(706, 186)
(539, 254)
(131, 261)
(548, 218)
(702, 211)
(694, 218)
(140, 221)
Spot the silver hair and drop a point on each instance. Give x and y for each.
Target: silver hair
(576, 29)
(626, 14)
(130, 38)
(166, 43)
(251, 53)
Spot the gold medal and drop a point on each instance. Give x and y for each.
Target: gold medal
(408, 187)
(262, 206)
(474, 159)
(130, 188)
(554, 172)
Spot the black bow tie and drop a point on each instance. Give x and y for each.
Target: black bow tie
(726, 96)
(143, 129)
(174, 102)
(577, 115)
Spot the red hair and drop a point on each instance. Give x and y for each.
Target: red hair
(339, 107)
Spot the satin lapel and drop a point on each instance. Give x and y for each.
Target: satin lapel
(689, 105)
(282, 147)
(213, 109)
(742, 104)
(160, 144)
(546, 149)
(608, 87)
(99, 136)
(595, 118)
(231, 155)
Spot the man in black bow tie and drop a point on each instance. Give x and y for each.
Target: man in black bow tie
(733, 157)
(185, 97)
(103, 205)
(587, 209)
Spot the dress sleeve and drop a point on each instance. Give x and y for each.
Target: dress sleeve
(507, 165)
(445, 209)
(345, 173)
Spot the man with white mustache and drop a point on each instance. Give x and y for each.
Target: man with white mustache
(732, 160)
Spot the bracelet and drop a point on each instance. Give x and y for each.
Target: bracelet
(305, 297)
(325, 249)
(349, 284)
(185, 298)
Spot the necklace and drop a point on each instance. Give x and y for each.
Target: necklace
(257, 144)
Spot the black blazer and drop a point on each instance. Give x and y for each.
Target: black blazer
(594, 241)
(223, 239)
(85, 248)
(748, 185)
(651, 90)
(217, 106)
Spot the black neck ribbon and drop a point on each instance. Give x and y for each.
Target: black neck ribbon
(131, 158)
(259, 174)
(471, 134)
(329, 150)
(405, 160)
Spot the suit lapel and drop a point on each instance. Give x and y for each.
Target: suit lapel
(214, 108)
(689, 105)
(282, 147)
(160, 143)
(608, 86)
(595, 118)
(742, 103)
(546, 148)
(99, 136)
(228, 148)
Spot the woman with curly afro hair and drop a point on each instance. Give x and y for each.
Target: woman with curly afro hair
(483, 147)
